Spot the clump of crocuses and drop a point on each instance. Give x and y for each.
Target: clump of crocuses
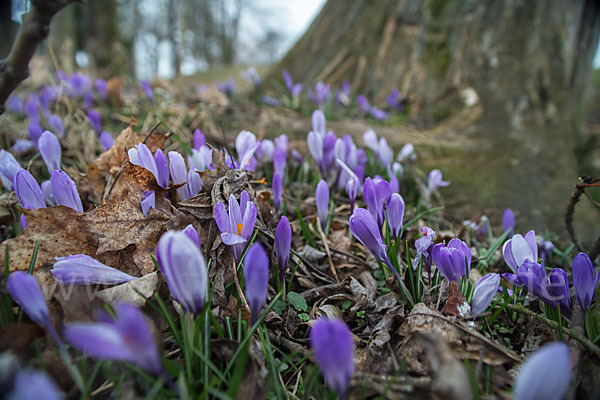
(453, 260)
(331, 341)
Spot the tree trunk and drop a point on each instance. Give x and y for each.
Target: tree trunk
(102, 39)
(8, 28)
(497, 84)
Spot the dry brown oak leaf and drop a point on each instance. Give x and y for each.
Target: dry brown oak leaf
(117, 233)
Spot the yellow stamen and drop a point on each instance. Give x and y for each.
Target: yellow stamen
(240, 228)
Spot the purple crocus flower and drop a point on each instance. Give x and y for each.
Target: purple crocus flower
(128, 337)
(16, 104)
(283, 244)
(82, 269)
(9, 167)
(316, 140)
(296, 90)
(141, 155)
(287, 79)
(22, 146)
(101, 88)
(508, 221)
(267, 148)
(363, 103)
(193, 234)
(485, 290)
(237, 225)
(178, 173)
(227, 87)
(319, 93)
(32, 109)
(252, 76)
(434, 180)
(28, 191)
(377, 193)
(545, 374)
(331, 341)
(147, 89)
(106, 141)
(49, 148)
(322, 197)
(584, 281)
(199, 139)
(271, 101)
(450, 260)
(277, 191)
(545, 247)
(533, 276)
(378, 114)
(88, 100)
(279, 161)
(394, 100)
(148, 201)
(26, 291)
(56, 124)
(201, 158)
(395, 212)
(518, 249)
(246, 145)
(282, 143)
(95, 120)
(47, 96)
(194, 182)
(256, 273)
(424, 246)
(65, 191)
(352, 183)
(34, 130)
(184, 269)
(559, 281)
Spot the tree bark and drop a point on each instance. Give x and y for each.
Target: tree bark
(102, 39)
(498, 84)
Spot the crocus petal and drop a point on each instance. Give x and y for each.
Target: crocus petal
(508, 221)
(370, 139)
(256, 273)
(331, 341)
(192, 234)
(106, 141)
(34, 130)
(178, 173)
(28, 191)
(521, 250)
(279, 160)
(559, 282)
(162, 168)
(318, 121)
(364, 227)
(95, 120)
(485, 290)
(221, 217)
(322, 197)
(199, 139)
(395, 210)
(249, 220)
(545, 374)
(82, 269)
(247, 155)
(26, 291)
(184, 269)
(508, 256)
(49, 148)
(315, 145)
(148, 202)
(277, 191)
(532, 243)
(231, 239)
(194, 183)
(65, 191)
(8, 169)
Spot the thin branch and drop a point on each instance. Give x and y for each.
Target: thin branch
(584, 182)
(15, 68)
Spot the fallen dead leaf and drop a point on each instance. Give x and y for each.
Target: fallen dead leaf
(135, 292)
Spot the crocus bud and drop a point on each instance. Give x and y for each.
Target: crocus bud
(279, 161)
(34, 130)
(101, 88)
(450, 259)
(178, 173)
(8, 169)
(56, 125)
(256, 273)
(184, 269)
(64, 191)
(283, 243)
(148, 201)
(22, 146)
(49, 148)
(28, 191)
(584, 281)
(194, 182)
(434, 180)
(277, 191)
(26, 291)
(508, 221)
(199, 139)
(331, 341)
(82, 269)
(192, 234)
(106, 141)
(322, 196)
(559, 281)
(32, 109)
(395, 209)
(318, 121)
(545, 374)
(485, 290)
(95, 120)
(126, 338)
(30, 384)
